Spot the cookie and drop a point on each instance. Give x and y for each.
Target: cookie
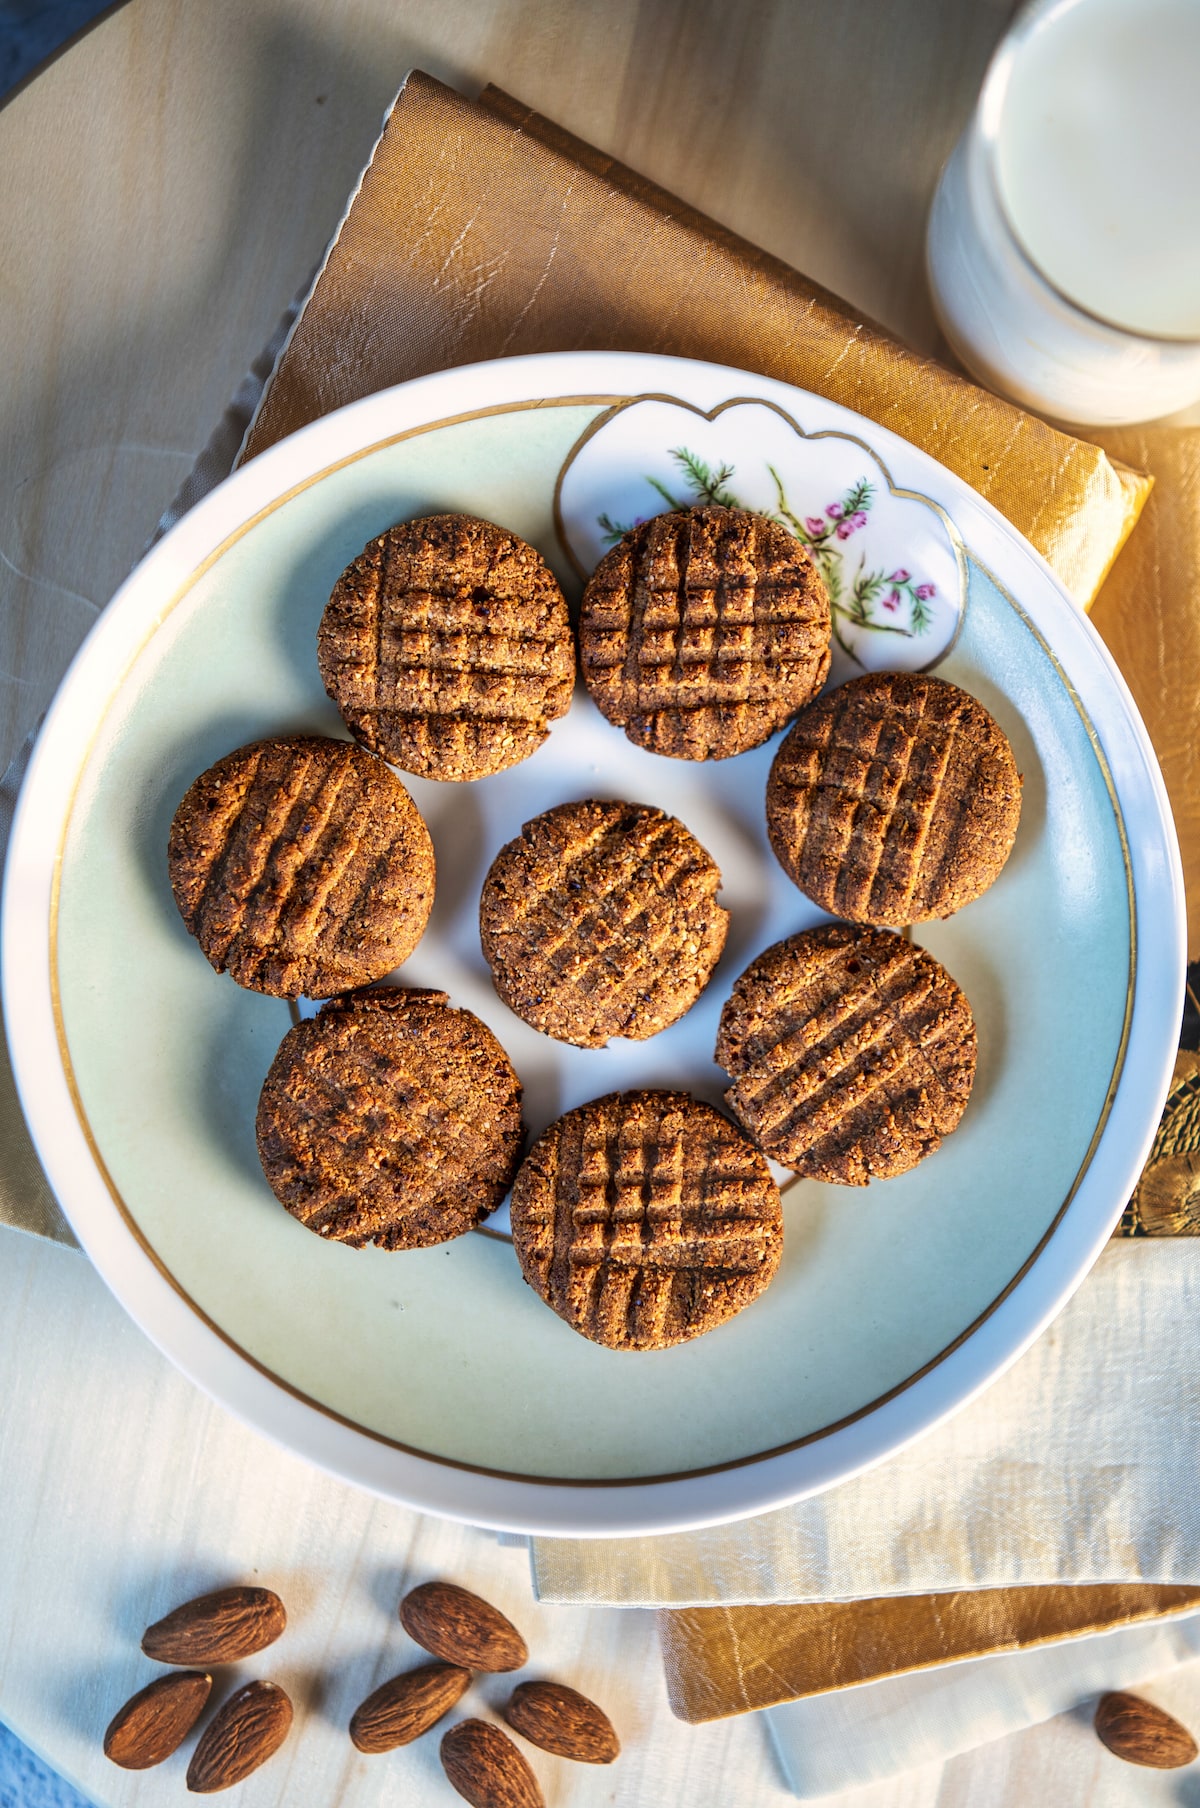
(390, 1118)
(646, 1218)
(703, 631)
(893, 799)
(447, 648)
(852, 1053)
(601, 919)
(301, 865)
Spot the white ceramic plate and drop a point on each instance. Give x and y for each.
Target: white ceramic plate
(436, 1377)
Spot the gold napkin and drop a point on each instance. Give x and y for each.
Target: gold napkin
(731, 1660)
(481, 230)
(1149, 615)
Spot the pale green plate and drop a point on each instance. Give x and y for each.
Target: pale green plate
(437, 1375)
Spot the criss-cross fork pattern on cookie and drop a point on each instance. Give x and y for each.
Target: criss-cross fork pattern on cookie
(301, 866)
(600, 919)
(703, 631)
(853, 1053)
(447, 647)
(646, 1218)
(390, 1118)
(894, 799)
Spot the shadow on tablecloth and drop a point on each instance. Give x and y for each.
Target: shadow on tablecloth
(32, 30)
(25, 1782)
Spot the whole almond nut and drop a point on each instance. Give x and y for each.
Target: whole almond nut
(562, 1721)
(401, 1710)
(487, 1769)
(218, 1628)
(1140, 1733)
(245, 1732)
(456, 1625)
(156, 1721)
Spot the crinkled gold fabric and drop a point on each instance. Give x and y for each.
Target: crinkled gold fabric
(1149, 615)
(729, 1660)
(481, 230)
(1166, 1200)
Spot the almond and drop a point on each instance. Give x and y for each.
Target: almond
(487, 1769)
(217, 1628)
(401, 1710)
(1140, 1733)
(156, 1721)
(251, 1726)
(457, 1626)
(562, 1721)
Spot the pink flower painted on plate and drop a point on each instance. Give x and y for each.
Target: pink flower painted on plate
(862, 599)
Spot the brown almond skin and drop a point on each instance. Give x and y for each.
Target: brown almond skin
(1141, 1733)
(218, 1628)
(486, 1768)
(245, 1732)
(461, 1628)
(401, 1710)
(562, 1721)
(156, 1721)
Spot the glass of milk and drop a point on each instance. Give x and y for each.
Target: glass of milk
(1064, 240)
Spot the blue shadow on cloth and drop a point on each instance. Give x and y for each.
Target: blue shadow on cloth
(31, 30)
(25, 1782)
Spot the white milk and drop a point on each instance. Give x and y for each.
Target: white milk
(1064, 238)
(1098, 158)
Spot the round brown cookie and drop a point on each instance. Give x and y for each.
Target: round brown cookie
(601, 919)
(447, 647)
(646, 1218)
(390, 1118)
(302, 865)
(893, 799)
(702, 631)
(852, 1051)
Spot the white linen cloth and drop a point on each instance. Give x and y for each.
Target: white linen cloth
(829, 1743)
(1078, 1465)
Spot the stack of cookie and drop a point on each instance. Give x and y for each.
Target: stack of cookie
(302, 866)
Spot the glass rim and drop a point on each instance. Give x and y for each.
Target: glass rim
(1033, 17)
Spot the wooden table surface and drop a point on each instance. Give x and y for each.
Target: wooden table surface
(167, 185)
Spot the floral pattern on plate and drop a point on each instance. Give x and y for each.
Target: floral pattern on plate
(891, 560)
